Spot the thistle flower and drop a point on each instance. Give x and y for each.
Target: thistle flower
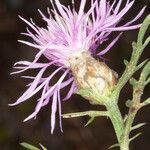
(69, 36)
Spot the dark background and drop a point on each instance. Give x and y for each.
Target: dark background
(97, 136)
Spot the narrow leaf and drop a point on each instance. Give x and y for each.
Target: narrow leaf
(148, 81)
(146, 102)
(141, 65)
(137, 126)
(134, 46)
(146, 42)
(137, 135)
(143, 30)
(90, 121)
(29, 146)
(128, 103)
(113, 146)
(86, 113)
(145, 72)
(125, 118)
(126, 62)
(43, 148)
(133, 82)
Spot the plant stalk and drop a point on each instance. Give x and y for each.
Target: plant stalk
(116, 118)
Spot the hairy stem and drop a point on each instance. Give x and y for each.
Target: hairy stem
(129, 122)
(116, 118)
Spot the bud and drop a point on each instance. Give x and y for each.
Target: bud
(92, 74)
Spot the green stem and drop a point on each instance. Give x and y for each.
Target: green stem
(126, 140)
(124, 146)
(116, 118)
(128, 125)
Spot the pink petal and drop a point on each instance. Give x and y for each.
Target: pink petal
(109, 46)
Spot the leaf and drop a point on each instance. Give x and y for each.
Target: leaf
(146, 102)
(148, 81)
(113, 146)
(91, 113)
(43, 148)
(137, 135)
(90, 121)
(128, 103)
(141, 65)
(146, 42)
(145, 72)
(137, 126)
(29, 146)
(133, 82)
(126, 62)
(143, 30)
(125, 118)
(134, 46)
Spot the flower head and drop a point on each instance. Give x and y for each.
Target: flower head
(69, 34)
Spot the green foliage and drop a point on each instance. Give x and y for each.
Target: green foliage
(31, 147)
(90, 121)
(137, 126)
(146, 102)
(126, 62)
(113, 146)
(134, 137)
(142, 33)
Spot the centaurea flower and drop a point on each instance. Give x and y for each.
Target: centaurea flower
(70, 35)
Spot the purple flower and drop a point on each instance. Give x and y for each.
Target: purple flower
(67, 35)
